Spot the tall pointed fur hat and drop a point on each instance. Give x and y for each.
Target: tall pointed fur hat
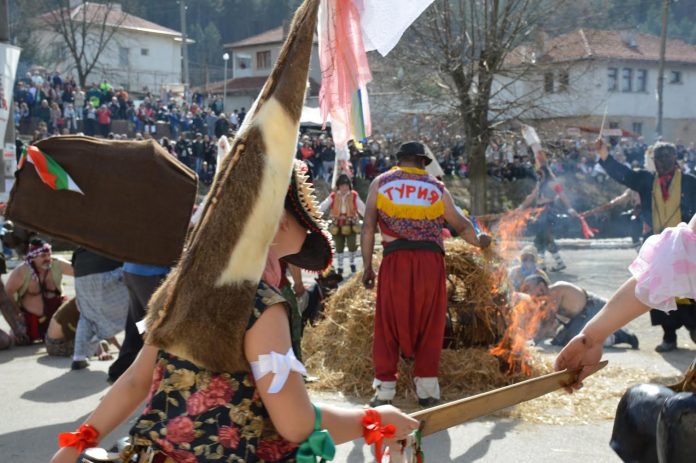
(202, 309)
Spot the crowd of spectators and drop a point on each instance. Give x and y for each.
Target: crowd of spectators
(58, 105)
(50, 104)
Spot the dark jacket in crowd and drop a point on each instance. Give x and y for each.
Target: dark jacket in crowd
(221, 127)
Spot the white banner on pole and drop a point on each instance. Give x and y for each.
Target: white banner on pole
(9, 57)
(385, 21)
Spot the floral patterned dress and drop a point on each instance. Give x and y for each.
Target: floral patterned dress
(194, 415)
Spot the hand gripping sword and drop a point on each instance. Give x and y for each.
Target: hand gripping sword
(447, 415)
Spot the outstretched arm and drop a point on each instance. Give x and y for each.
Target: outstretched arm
(462, 224)
(635, 180)
(620, 200)
(531, 197)
(566, 202)
(120, 402)
(9, 307)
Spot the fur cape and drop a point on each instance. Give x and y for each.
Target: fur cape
(202, 309)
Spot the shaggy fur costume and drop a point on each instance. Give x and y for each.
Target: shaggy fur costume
(202, 309)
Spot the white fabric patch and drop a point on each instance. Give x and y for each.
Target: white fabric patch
(386, 390)
(278, 364)
(427, 387)
(411, 193)
(383, 22)
(141, 325)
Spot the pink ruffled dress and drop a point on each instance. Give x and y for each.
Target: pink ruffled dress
(665, 268)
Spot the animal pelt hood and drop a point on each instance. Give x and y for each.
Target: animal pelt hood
(202, 309)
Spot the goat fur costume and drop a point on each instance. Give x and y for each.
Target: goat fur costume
(201, 311)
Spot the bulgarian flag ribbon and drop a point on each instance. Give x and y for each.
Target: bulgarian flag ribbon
(49, 171)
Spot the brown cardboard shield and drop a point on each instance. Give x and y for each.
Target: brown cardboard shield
(137, 200)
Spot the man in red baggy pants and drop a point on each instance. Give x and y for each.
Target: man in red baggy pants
(411, 207)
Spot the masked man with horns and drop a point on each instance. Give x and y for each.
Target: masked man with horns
(345, 208)
(410, 207)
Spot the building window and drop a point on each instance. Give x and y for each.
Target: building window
(675, 77)
(263, 60)
(638, 128)
(642, 80)
(613, 84)
(145, 52)
(123, 56)
(627, 78)
(548, 82)
(563, 81)
(242, 61)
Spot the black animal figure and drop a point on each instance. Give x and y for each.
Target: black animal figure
(657, 424)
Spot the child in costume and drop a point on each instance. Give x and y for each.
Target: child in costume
(663, 272)
(194, 414)
(345, 208)
(218, 365)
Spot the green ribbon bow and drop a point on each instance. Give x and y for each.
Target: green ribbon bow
(319, 444)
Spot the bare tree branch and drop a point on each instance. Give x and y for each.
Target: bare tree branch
(86, 30)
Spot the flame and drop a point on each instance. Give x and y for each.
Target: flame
(509, 229)
(526, 319)
(527, 316)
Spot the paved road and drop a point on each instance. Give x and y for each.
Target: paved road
(41, 397)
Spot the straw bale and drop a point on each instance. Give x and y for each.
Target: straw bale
(339, 349)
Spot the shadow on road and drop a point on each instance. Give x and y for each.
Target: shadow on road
(35, 444)
(70, 386)
(680, 359)
(55, 362)
(16, 352)
(480, 449)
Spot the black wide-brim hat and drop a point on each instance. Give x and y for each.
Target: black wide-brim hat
(414, 148)
(317, 251)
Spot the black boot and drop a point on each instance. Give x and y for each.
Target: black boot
(666, 346)
(623, 336)
(79, 365)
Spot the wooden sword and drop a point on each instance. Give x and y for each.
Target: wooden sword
(445, 416)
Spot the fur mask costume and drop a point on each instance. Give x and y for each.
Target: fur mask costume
(202, 309)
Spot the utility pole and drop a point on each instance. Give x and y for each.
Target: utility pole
(10, 130)
(184, 45)
(661, 71)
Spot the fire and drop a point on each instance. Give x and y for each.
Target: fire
(527, 316)
(526, 320)
(510, 228)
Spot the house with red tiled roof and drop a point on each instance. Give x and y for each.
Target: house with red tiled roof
(250, 64)
(586, 72)
(141, 56)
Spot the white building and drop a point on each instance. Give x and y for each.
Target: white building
(141, 55)
(585, 72)
(251, 62)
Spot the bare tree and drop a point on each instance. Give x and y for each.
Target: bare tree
(85, 29)
(460, 57)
